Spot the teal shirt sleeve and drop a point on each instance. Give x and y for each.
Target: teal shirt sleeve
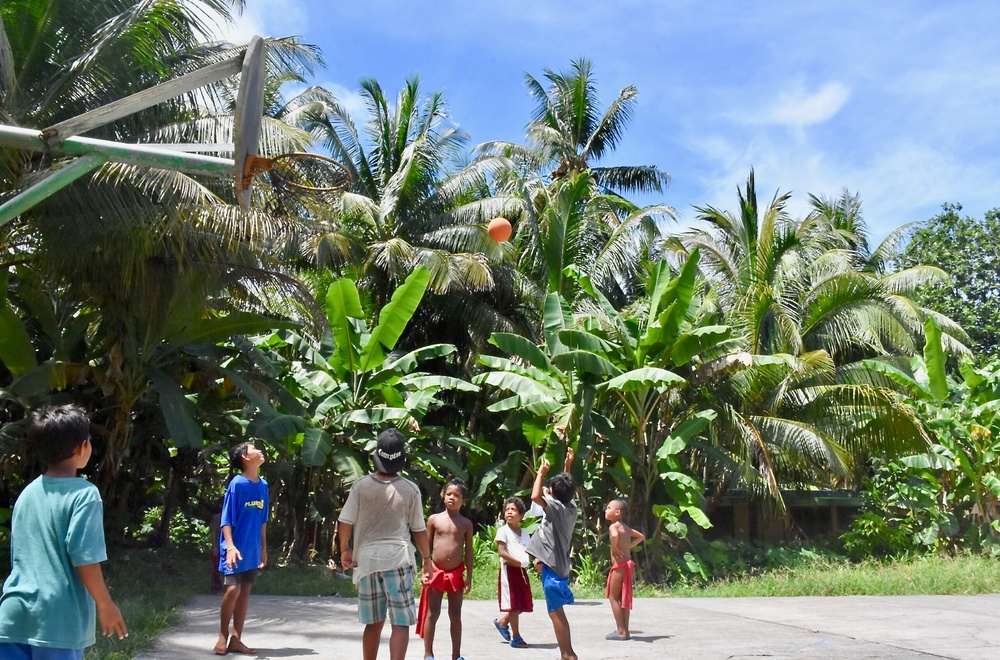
(85, 535)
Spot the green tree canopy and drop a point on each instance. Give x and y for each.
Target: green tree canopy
(967, 249)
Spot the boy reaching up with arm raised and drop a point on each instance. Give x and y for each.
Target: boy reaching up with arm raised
(551, 545)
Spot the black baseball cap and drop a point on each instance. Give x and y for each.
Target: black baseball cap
(390, 455)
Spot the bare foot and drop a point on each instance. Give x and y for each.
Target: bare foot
(236, 646)
(220, 646)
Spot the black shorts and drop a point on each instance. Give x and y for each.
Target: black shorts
(243, 577)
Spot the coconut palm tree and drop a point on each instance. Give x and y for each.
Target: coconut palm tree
(801, 293)
(568, 131)
(142, 247)
(414, 203)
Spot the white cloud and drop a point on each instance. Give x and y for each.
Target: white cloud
(350, 99)
(801, 108)
(268, 18)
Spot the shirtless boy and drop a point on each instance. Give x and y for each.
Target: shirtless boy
(619, 588)
(451, 552)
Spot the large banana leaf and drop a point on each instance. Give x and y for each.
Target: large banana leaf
(556, 316)
(394, 318)
(316, 445)
(177, 411)
(934, 360)
(518, 384)
(536, 405)
(221, 328)
(697, 342)
(431, 382)
(407, 363)
(16, 351)
(548, 378)
(637, 379)
(586, 362)
(372, 416)
(341, 305)
(522, 347)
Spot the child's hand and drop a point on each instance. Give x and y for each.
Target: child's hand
(468, 585)
(263, 558)
(347, 559)
(111, 621)
(544, 466)
(233, 557)
(570, 455)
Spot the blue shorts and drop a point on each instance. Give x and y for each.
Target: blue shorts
(10, 651)
(556, 589)
(387, 589)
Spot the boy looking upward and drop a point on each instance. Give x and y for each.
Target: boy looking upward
(450, 539)
(619, 587)
(551, 546)
(55, 586)
(243, 542)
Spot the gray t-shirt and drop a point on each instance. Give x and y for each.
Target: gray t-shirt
(552, 540)
(384, 514)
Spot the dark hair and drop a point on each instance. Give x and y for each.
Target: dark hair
(517, 502)
(236, 456)
(562, 486)
(54, 432)
(458, 483)
(622, 505)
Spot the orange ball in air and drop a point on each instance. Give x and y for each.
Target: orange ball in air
(499, 229)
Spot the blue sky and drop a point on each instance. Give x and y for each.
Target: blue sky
(896, 101)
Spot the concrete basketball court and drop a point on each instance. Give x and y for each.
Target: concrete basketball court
(960, 627)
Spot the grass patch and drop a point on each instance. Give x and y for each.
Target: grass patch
(150, 587)
(924, 575)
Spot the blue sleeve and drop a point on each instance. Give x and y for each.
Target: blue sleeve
(267, 502)
(229, 506)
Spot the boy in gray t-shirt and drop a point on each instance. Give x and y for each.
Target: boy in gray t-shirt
(551, 545)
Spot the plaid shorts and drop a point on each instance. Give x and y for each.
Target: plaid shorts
(387, 588)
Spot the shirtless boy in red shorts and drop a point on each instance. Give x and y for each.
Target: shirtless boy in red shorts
(451, 551)
(619, 588)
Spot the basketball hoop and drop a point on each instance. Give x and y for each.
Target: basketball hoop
(298, 171)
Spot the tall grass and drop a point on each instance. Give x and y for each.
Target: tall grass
(924, 575)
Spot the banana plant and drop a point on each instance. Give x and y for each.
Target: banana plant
(963, 418)
(352, 384)
(657, 353)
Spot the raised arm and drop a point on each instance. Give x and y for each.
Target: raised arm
(536, 488)
(570, 455)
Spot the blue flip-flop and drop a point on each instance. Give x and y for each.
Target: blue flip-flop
(518, 643)
(503, 630)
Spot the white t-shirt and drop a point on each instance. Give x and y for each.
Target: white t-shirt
(515, 543)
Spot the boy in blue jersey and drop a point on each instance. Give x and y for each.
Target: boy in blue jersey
(243, 544)
(55, 587)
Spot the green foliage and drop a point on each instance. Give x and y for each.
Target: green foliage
(872, 535)
(184, 531)
(966, 248)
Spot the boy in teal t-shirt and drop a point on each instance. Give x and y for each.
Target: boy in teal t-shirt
(57, 543)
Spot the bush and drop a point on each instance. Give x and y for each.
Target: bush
(184, 532)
